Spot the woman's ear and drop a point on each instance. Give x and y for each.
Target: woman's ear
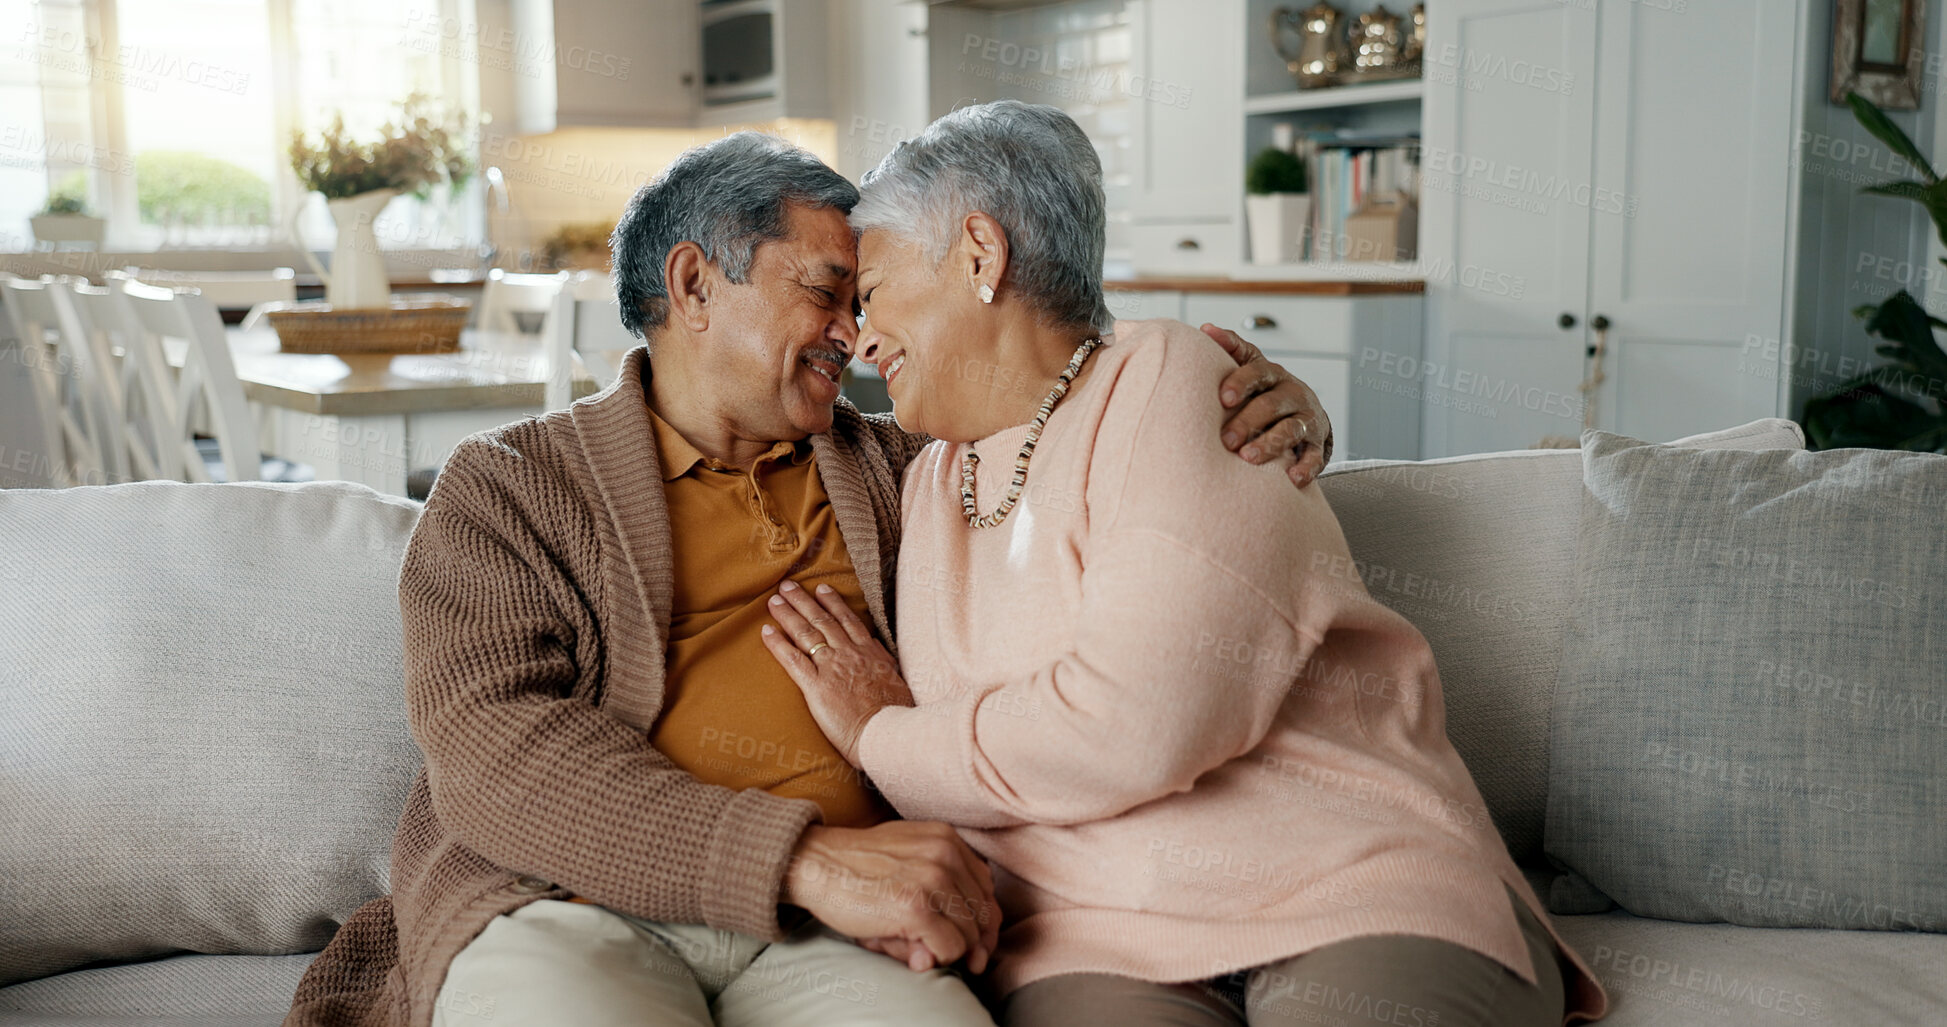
(687, 278)
(982, 253)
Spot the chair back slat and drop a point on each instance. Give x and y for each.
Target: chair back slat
(507, 294)
(208, 374)
(157, 446)
(84, 388)
(32, 318)
(585, 328)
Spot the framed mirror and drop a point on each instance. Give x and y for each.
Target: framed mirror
(1878, 51)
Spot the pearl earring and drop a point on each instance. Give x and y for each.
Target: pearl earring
(986, 293)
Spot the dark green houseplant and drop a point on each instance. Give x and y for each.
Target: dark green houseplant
(1901, 404)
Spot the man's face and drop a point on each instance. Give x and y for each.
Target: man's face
(780, 340)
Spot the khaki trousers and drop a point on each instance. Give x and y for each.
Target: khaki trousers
(1391, 980)
(555, 962)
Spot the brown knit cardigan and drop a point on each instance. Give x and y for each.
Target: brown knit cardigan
(536, 594)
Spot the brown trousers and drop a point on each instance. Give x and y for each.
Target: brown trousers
(1382, 981)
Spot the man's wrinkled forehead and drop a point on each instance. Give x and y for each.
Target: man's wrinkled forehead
(818, 246)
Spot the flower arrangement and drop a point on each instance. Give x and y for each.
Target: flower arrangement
(419, 149)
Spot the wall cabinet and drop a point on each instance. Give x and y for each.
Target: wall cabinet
(632, 63)
(1648, 197)
(1186, 201)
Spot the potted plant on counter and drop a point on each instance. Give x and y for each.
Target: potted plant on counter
(1277, 206)
(358, 178)
(65, 218)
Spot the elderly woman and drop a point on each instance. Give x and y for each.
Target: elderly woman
(1142, 676)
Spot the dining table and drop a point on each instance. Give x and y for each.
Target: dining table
(376, 418)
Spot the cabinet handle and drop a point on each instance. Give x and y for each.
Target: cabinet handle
(1187, 243)
(1262, 321)
(689, 78)
(1599, 323)
(1567, 320)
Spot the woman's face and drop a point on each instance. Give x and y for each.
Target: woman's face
(932, 368)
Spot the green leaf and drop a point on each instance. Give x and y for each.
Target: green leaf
(1932, 441)
(1882, 128)
(1933, 197)
(1906, 189)
(1902, 322)
(1868, 417)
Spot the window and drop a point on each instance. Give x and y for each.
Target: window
(172, 120)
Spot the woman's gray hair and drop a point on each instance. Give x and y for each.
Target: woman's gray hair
(1031, 168)
(726, 197)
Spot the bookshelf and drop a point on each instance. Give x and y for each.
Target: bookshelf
(1357, 112)
(1409, 89)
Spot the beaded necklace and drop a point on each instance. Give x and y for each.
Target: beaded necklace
(975, 519)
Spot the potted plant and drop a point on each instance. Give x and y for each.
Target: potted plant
(65, 218)
(1277, 206)
(420, 149)
(1901, 404)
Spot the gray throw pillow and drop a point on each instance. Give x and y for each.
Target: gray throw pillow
(1750, 724)
(204, 745)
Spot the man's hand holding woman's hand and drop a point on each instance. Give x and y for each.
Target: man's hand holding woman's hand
(910, 889)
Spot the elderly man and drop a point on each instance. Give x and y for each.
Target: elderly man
(627, 813)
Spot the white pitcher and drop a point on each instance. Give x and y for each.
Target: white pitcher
(357, 276)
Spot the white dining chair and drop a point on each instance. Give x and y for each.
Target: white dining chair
(31, 418)
(207, 373)
(586, 324)
(145, 409)
(254, 291)
(509, 294)
(71, 384)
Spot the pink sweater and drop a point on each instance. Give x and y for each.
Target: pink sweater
(1159, 698)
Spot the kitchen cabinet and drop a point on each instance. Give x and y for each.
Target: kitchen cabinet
(1141, 305)
(1358, 353)
(1646, 198)
(1187, 130)
(633, 63)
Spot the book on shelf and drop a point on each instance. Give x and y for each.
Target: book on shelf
(1347, 170)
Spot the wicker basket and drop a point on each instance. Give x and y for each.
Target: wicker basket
(414, 324)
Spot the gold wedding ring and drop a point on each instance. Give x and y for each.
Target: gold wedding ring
(813, 651)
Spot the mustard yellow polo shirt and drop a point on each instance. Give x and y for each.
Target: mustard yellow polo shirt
(731, 715)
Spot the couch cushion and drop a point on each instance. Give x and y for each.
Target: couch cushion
(204, 745)
(1478, 552)
(1749, 721)
(1663, 974)
(181, 991)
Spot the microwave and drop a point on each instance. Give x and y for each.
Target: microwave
(740, 53)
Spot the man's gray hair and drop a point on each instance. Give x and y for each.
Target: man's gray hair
(726, 197)
(1029, 167)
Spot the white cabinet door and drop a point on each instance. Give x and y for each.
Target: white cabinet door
(1358, 353)
(1186, 93)
(1504, 222)
(1693, 146)
(1131, 305)
(629, 63)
